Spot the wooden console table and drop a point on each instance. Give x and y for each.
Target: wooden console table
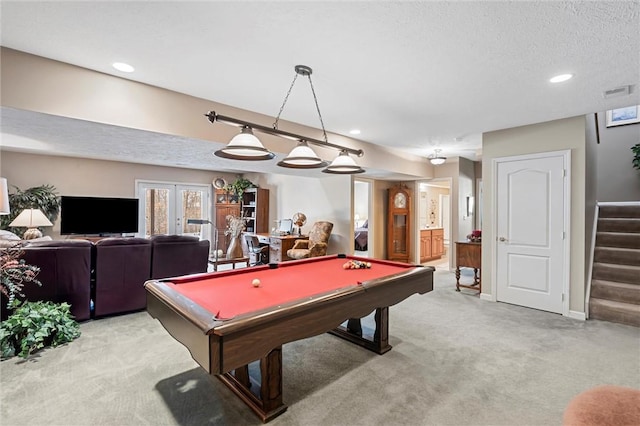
(469, 255)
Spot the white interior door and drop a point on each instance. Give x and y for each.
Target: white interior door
(532, 264)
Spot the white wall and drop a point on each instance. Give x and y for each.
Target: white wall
(327, 198)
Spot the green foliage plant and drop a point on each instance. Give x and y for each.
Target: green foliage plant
(239, 186)
(42, 197)
(34, 325)
(636, 156)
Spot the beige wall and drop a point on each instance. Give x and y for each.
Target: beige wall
(38, 84)
(319, 199)
(544, 137)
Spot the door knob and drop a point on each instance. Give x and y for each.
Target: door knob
(502, 239)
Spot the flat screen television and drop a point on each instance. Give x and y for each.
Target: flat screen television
(98, 215)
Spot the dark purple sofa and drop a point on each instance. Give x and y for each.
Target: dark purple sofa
(65, 274)
(175, 255)
(122, 265)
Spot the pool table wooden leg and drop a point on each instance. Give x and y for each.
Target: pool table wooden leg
(268, 404)
(379, 344)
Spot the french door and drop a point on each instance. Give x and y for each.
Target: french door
(166, 207)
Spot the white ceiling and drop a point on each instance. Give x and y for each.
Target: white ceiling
(414, 76)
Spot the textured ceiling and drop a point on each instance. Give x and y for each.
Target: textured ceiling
(414, 76)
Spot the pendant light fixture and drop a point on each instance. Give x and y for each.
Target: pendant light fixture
(302, 157)
(343, 165)
(436, 159)
(246, 146)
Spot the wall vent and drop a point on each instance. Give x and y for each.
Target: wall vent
(618, 91)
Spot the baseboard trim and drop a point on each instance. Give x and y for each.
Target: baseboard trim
(577, 315)
(487, 297)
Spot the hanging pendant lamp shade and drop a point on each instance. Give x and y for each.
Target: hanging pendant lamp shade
(245, 146)
(302, 157)
(343, 165)
(436, 159)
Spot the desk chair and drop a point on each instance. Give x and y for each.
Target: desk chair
(258, 252)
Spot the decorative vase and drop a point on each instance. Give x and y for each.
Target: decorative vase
(235, 249)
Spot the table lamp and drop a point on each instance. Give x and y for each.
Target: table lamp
(31, 219)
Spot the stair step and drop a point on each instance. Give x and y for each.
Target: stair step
(607, 310)
(618, 273)
(617, 255)
(617, 239)
(631, 225)
(619, 211)
(611, 290)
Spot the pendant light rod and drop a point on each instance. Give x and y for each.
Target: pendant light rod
(212, 116)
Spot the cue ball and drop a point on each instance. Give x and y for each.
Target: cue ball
(255, 282)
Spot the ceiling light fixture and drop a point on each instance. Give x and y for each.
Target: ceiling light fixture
(121, 66)
(560, 78)
(436, 159)
(302, 156)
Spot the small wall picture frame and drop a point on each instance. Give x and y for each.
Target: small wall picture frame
(622, 116)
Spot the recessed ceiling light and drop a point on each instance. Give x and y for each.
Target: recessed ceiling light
(121, 66)
(560, 78)
(354, 132)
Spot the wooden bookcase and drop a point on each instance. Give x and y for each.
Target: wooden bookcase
(255, 208)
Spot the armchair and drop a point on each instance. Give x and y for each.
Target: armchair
(316, 245)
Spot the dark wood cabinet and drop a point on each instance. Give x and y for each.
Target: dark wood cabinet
(469, 254)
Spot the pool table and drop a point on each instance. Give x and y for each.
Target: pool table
(226, 322)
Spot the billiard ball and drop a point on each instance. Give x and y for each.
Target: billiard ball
(255, 283)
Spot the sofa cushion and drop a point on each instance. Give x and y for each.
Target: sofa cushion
(8, 235)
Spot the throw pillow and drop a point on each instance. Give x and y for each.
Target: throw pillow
(8, 235)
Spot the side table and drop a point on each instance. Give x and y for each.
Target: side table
(469, 254)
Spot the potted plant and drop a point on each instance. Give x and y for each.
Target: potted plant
(31, 325)
(636, 156)
(42, 197)
(237, 188)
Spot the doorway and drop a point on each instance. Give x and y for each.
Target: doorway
(434, 213)
(362, 232)
(532, 247)
(165, 208)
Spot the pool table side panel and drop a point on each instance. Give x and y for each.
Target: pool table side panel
(183, 330)
(254, 342)
(248, 340)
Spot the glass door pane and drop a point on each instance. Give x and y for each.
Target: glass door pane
(193, 205)
(158, 210)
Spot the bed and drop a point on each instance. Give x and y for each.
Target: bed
(361, 237)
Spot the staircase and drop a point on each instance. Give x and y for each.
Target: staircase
(615, 279)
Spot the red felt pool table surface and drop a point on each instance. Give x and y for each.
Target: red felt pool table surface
(231, 293)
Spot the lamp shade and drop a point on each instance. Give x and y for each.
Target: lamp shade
(436, 159)
(31, 218)
(343, 165)
(4, 197)
(245, 146)
(302, 157)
